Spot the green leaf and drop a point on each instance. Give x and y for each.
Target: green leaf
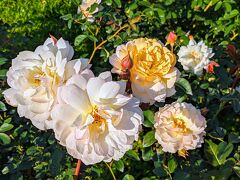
(232, 14)
(233, 138)
(219, 132)
(70, 23)
(149, 139)
(128, 177)
(119, 165)
(172, 165)
(119, 3)
(92, 38)
(5, 138)
(217, 154)
(145, 3)
(2, 61)
(218, 6)
(5, 127)
(147, 153)
(66, 17)
(108, 2)
(8, 120)
(184, 85)
(5, 170)
(93, 7)
(236, 169)
(204, 85)
(227, 6)
(3, 73)
(133, 155)
(168, 2)
(79, 39)
(31, 150)
(224, 150)
(148, 118)
(2, 106)
(211, 151)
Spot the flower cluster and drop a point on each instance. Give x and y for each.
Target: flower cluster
(98, 119)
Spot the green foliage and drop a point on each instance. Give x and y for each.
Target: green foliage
(149, 139)
(27, 153)
(217, 154)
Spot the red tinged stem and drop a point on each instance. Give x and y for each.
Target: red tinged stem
(78, 168)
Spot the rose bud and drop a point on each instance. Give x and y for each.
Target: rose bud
(171, 38)
(210, 67)
(126, 63)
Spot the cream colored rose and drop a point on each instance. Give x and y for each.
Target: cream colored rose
(179, 127)
(195, 56)
(84, 8)
(95, 120)
(35, 76)
(152, 73)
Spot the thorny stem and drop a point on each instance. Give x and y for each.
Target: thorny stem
(103, 42)
(78, 168)
(110, 169)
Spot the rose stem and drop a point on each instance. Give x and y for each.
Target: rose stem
(109, 167)
(78, 168)
(103, 42)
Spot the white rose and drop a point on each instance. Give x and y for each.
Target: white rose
(35, 76)
(179, 127)
(95, 120)
(195, 56)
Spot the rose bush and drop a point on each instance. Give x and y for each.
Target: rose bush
(189, 98)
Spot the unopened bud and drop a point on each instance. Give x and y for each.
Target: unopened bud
(126, 63)
(54, 40)
(210, 66)
(190, 37)
(171, 38)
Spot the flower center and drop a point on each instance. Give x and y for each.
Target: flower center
(34, 77)
(97, 115)
(99, 123)
(180, 124)
(46, 77)
(195, 54)
(152, 62)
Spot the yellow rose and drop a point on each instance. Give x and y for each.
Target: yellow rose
(152, 72)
